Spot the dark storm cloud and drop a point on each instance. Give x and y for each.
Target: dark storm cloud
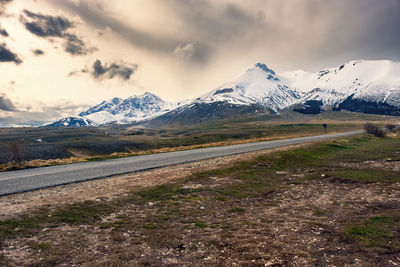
(219, 28)
(6, 104)
(284, 33)
(223, 24)
(360, 29)
(76, 46)
(55, 26)
(100, 19)
(7, 56)
(101, 71)
(3, 32)
(121, 70)
(299, 33)
(38, 52)
(46, 26)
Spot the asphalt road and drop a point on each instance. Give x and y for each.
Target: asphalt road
(32, 179)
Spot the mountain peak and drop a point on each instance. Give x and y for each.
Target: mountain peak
(148, 94)
(264, 68)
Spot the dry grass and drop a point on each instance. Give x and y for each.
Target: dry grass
(39, 163)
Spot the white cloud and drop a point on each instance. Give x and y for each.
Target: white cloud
(184, 51)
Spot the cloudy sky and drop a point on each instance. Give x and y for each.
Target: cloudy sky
(59, 56)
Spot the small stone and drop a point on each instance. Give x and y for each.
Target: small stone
(202, 207)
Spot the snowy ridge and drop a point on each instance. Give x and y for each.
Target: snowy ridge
(120, 111)
(258, 85)
(362, 86)
(132, 109)
(373, 81)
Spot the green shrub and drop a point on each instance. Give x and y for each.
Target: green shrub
(374, 130)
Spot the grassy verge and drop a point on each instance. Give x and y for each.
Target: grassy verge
(378, 232)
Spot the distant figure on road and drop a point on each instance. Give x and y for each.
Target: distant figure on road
(325, 125)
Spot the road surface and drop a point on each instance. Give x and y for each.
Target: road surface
(32, 179)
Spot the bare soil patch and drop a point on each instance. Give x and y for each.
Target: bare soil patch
(299, 226)
(386, 164)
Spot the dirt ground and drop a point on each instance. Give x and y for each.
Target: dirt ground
(299, 224)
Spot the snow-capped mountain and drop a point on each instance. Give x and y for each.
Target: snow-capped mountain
(127, 110)
(257, 90)
(371, 81)
(361, 86)
(118, 110)
(256, 86)
(377, 81)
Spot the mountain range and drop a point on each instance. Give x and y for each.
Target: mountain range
(359, 86)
